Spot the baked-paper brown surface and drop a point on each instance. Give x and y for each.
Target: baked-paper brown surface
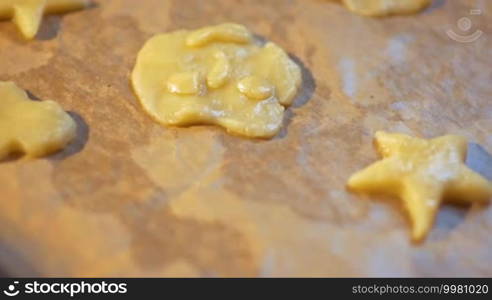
(133, 198)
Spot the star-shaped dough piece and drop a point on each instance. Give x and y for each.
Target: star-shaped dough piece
(381, 8)
(27, 14)
(422, 173)
(35, 128)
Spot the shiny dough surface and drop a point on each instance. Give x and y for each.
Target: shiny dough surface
(380, 8)
(217, 75)
(35, 128)
(27, 14)
(422, 173)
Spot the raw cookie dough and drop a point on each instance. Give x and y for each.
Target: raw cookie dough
(33, 127)
(422, 173)
(381, 8)
(27, 14)
(216, 75)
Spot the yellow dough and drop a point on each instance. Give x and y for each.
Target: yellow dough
(33, 127)
(422, 173)
(216, 75)
(380, 8)
(27, 14)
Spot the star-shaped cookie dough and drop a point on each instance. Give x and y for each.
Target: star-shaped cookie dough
(27, 14)
(422, 173)
(35, 128)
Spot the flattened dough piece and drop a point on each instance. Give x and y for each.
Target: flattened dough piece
(381, 8)
(422, 173)
(216, 75)
(27, 14)
(36, 128)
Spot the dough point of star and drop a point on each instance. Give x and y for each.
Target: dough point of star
(35, 128)
(216, 75)
(381, 8)
(423, 173)
(27, 14)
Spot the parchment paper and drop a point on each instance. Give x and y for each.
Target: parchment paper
(133, 198)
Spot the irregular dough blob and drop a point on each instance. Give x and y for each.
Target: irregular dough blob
(36, 128)
(216, 75)
(422, 173)
(27, 14)
(381, 8)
